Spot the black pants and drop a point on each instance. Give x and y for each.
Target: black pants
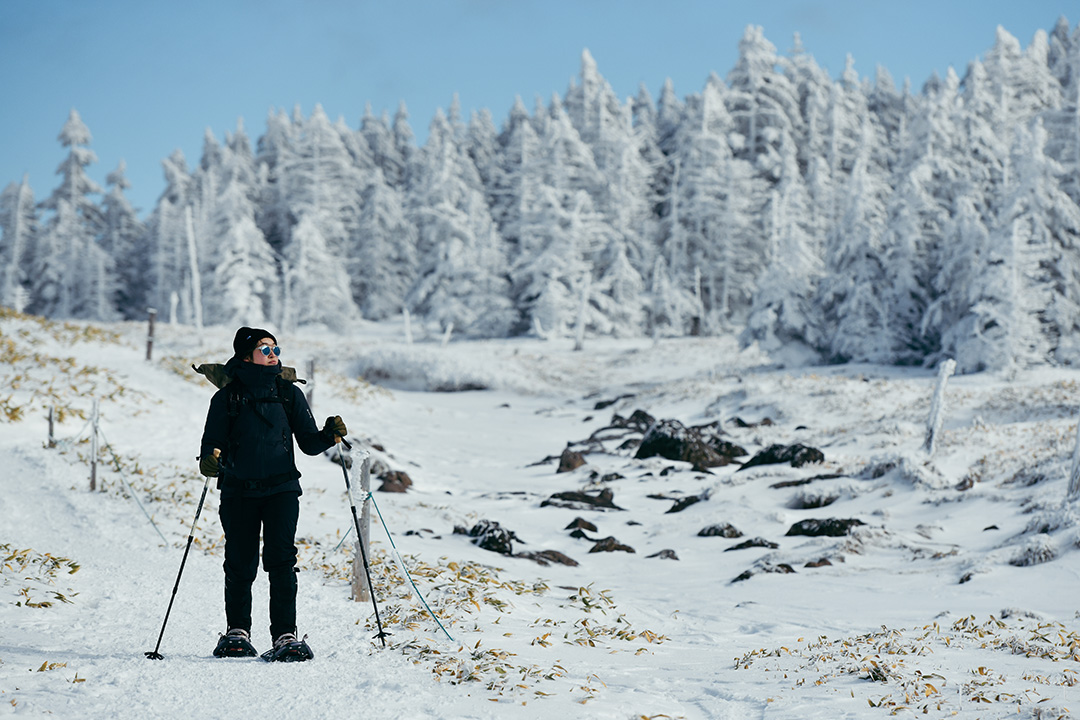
(241, 519)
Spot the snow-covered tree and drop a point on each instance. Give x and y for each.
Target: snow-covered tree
(72, 277)
(123, 238)
(316, 285)
(386, 265)
(462, 278)
(18, 234)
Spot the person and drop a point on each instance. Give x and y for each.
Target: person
(247, 443)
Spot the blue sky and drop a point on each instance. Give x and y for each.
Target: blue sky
(150, 77)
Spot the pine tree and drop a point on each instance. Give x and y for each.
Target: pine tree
(18, 235)
(123, 239)
(386, 265)
(462, 268)
(69, 274)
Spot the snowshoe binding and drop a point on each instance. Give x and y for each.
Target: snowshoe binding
(288, 649)
(235, 643)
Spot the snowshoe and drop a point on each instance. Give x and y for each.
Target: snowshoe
(235, 643)
(288, 649)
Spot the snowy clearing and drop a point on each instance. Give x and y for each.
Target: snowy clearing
(955, 596)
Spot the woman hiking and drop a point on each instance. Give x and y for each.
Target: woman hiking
(252, 422)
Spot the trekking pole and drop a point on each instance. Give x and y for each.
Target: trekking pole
(154, 654)
(382, 635)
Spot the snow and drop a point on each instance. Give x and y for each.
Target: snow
(924, 606)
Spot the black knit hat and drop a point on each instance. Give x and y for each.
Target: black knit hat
(247, 339)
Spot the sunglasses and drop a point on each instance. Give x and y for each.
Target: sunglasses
(266, 350)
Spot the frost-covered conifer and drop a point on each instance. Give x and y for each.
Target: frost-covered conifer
(68, 276)
(18, 235)
(123, 238)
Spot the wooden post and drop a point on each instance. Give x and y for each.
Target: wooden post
(311, 384)
(408, 326)
(1074, 472)
(52, 434)
(360, 590)
(933, 423)
(93, 446)
(150, 334)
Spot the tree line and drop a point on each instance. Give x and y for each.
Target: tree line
(860, 220)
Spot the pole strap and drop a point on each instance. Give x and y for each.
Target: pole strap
(401, 564)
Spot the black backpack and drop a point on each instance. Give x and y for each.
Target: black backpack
(235, 400)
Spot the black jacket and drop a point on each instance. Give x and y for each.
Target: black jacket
(257, 443)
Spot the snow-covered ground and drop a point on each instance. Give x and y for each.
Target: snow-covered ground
(958, 595)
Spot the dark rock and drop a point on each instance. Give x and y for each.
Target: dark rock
(804, 481)
(823, 562)
(991, 527)
(574, 500)
(580, 535)
(639, 420)
(781, 568)
(833, 527)
(810, 501)
(966, 577)
(664, 555)
(570, 460)
(610, 544)
(683, 503)
(395, 481)
(547, 557)
(740, 423)
(611, 477)
(492, 536)
(581, 524)
(796, 455)
(608, 403)
(632, 523)
(674, 441)
(726, 530)
(752, 543)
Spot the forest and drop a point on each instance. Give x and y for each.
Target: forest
(849, 217)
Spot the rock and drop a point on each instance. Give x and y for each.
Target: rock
(833, 527)
(740, 423)
(610, 544)
(683, 503)
(796, 455)
(674, 441)
(492, 536)
(580, 535)
(570, 460)
(395, 481)
(726, 530)
(823, 562)
(781, 568)
(608, 403)
(754, 542)
(664, 555)
(581, 524)
(574, 500)
(547, 557)
(639, 420)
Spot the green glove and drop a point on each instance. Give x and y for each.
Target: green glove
(335, 427)
(209, 465)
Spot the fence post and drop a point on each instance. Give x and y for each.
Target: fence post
(408, 326)
(311, 384)
(1074, 471)
(360, 590)
(93, 446)
(933, 423)
(52, 433)
(150, 334)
